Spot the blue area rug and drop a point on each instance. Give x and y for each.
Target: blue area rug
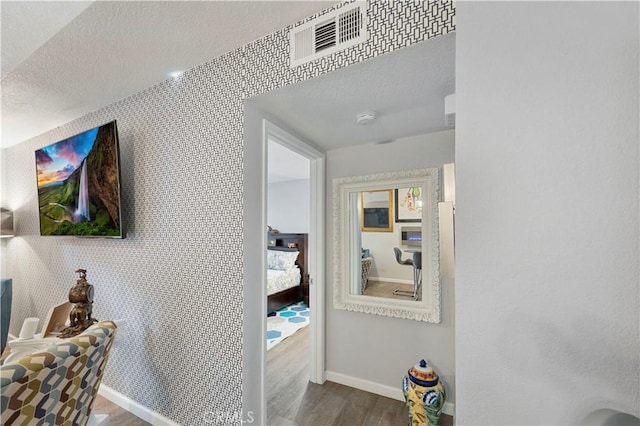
(285, 322)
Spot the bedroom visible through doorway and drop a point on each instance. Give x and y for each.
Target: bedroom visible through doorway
(288, 219)
(289, 312)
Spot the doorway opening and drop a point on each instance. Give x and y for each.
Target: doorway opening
(295, 208)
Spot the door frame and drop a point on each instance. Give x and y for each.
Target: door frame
(316, 245)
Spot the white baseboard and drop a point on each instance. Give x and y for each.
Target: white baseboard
(449, 409)
(378, 389)
(133, 407)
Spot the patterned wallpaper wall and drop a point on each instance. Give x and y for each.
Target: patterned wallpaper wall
(177, 277)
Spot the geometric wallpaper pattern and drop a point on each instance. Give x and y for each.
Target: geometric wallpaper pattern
(177, 277)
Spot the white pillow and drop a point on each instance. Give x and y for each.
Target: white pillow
(281, 260)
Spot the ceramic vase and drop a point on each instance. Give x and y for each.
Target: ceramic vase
(424, 395)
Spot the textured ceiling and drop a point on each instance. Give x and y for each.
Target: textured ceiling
(61, 60)
(26, 26)
(406, 89)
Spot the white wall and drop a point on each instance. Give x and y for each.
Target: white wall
(547, 299)
(384, 266)
(377, 348)
(288, 206)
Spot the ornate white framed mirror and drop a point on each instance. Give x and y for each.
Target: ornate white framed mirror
(412, 250)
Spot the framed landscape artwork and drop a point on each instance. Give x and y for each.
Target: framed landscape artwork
(79, 185)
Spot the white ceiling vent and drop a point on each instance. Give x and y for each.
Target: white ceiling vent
(328, 33)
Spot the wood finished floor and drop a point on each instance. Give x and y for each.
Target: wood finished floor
(385, 289)
(293, 400)
(117, 416)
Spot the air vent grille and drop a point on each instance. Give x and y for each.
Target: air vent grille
(350, 25)
(304, 44)
(325, 36)
(329, 33)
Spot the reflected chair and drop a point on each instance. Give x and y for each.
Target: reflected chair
(366, 268)
(416, 264)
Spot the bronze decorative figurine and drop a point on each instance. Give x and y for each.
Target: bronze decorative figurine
(80, 317)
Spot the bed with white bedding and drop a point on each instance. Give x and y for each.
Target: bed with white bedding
(281, 280)
(287, 279)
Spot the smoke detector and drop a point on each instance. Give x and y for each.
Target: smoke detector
(450, 110)
(365, 118)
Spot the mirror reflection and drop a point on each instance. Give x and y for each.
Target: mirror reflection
(376, 211)
(391, 263)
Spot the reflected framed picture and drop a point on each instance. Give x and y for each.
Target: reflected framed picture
(376, 211)
(408, 204)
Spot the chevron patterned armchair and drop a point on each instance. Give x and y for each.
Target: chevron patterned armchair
(58, 385)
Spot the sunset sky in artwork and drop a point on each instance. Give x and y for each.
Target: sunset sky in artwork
(54, 163)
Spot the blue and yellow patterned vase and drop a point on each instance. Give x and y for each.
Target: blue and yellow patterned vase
(424, 395)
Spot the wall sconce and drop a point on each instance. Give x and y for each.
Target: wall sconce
(6, 223)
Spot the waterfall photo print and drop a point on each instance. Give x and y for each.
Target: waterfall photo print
(79, 185)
